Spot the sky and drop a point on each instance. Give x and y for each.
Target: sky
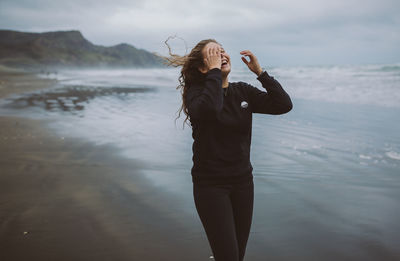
(284, 32)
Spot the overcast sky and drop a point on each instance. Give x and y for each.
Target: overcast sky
(281, 32)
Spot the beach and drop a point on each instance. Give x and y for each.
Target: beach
(94, 167)
(15, 81)
(68, 199)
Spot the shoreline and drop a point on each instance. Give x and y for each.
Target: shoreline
(17, 81)
(64, 198)
(69, 199)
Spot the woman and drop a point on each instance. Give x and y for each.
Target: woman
(220, 113)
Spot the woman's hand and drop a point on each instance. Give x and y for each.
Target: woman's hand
(253, 64)
(212, 56)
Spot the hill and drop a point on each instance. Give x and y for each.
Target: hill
(68, 49)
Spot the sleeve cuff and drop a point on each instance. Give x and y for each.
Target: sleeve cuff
(264, 74)
(214, 70)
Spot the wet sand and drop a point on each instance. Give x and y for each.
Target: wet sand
(15, 81)
(68, 199)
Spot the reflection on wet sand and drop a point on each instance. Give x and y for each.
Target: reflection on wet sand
(71, 98)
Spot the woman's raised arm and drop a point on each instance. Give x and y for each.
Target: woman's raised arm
(275, 100)
(206, 99)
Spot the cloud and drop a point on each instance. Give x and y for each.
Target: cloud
(286, 31)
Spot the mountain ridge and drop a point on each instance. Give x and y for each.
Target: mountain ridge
(68, 49)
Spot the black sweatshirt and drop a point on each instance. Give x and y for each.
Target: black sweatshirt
(221, 120)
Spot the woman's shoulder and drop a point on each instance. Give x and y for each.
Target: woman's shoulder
(239, 84)
(239, 88)
(242, 88)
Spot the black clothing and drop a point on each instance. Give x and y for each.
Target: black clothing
(222, 123)
(226, 214)
(222, 176)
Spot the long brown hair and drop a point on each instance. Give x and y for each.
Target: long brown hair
(189, 72)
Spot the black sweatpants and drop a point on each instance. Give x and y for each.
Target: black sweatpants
(226, 213)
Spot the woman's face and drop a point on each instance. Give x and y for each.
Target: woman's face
(225, 60)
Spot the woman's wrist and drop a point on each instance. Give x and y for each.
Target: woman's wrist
(259, 72)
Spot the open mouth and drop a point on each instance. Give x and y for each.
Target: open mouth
(224, 63)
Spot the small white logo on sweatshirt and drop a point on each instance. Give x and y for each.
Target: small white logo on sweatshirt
(244, 104)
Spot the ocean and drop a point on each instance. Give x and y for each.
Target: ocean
(326, 174)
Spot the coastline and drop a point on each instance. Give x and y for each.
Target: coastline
(16, 81)
(325, 181)
(69, 199)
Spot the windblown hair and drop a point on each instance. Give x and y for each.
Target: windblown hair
(189, 72)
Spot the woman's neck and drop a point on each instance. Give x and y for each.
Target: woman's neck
(225, 82)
